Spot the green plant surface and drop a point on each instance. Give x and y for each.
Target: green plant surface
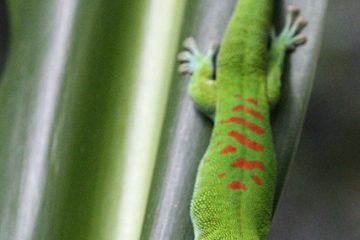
(186, 132)
(80, 107)
(161, 31)
(69, 66)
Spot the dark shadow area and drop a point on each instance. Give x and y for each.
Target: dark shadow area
(4, 34)
(322, 193)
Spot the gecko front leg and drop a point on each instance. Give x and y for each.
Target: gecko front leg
(202, 87)
(288, 39)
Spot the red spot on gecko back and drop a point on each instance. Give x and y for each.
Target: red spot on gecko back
(257, 180)
(248, 165)
(250, 111)
(237, 185)
(237, 96)
(246, 142)
(240, 121)
(221, 175)
(252, 101)
(228, 149)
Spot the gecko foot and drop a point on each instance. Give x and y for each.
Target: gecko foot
(191, 59)
(290, 35)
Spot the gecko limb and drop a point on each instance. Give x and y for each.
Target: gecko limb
(288, 39)
(201, 67)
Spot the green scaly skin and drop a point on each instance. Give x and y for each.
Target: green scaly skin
(234, 190)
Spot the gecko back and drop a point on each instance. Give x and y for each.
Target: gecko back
(234, 189)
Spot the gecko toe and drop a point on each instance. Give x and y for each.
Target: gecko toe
(291, 35)
(185, 56)
(190, 44)
(185, 68)
(293, 10)
(298, 40)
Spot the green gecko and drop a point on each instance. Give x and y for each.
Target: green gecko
(234, 189)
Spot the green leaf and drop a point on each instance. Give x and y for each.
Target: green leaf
(82, 102)
(70, 97)
(186, 133)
